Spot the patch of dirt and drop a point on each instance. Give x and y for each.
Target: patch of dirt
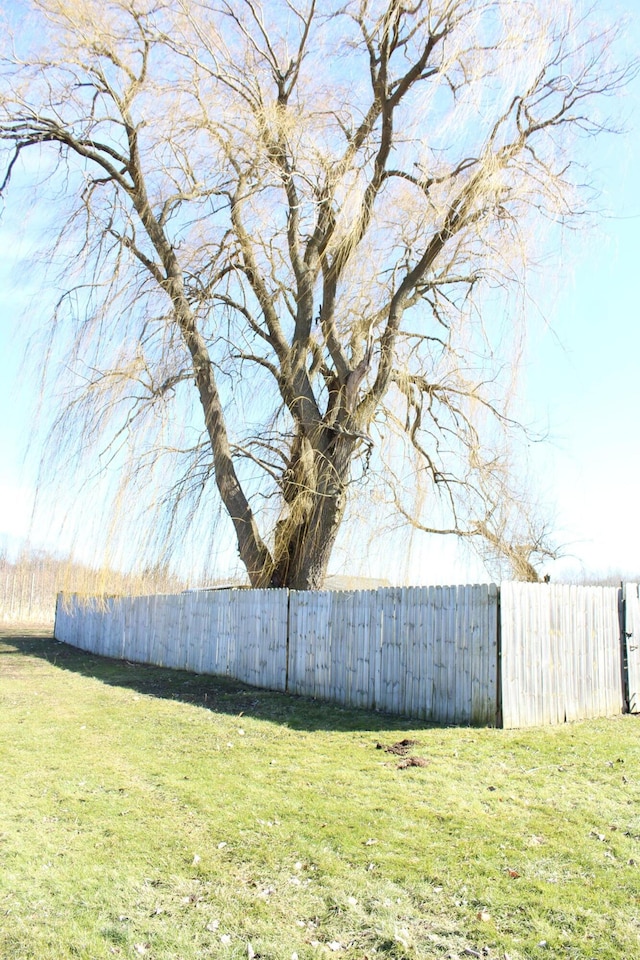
(400, 749)
(412, 762)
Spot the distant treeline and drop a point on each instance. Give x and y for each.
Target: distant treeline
(30, 584)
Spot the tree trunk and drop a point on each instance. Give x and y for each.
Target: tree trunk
(306, 537)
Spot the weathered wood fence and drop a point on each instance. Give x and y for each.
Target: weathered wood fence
(561, 653)
(515, 655)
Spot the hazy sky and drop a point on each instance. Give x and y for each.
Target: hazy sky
(581, 385)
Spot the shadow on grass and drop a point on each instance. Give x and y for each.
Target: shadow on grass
(219, 694)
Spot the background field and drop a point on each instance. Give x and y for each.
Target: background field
(146, 812)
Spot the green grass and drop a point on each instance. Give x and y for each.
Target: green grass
(146, 812)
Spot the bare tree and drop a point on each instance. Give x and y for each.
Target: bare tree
(310, 213)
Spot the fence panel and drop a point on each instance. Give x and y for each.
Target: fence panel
(424, 652)
(236, 633)
(332, 647)
(258, 632)
(560, 653)
(75, 621)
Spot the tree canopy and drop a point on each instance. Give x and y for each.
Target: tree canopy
(288, 233)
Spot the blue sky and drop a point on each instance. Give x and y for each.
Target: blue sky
(582, 375)
(580, 384)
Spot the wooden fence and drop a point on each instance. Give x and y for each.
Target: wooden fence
(234, 633)
(428, 652)
(518, 655)
(561, 655)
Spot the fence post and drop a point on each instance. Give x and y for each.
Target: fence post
(55, 616)
(499, 717)
(287, 642)
(630, 640)
(624, 664)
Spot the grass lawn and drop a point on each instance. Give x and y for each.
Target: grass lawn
(153, 813)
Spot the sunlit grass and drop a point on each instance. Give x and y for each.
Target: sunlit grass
(153, 813)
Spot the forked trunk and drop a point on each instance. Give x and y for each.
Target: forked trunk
(304, 567)
(304, 545)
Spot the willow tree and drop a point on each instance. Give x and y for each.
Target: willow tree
(302, 217)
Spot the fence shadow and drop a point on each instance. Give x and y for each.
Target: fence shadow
(218, 694)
